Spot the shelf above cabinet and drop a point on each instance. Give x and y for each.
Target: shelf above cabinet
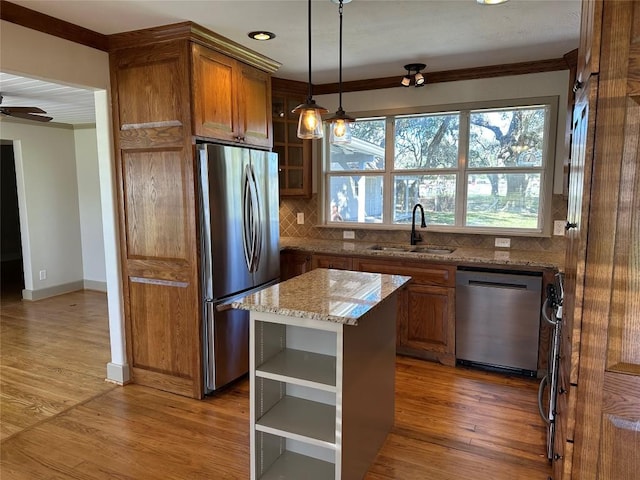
(294, 465)
(299, 419)
(301, 368)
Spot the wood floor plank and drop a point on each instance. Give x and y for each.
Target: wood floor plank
(60, 420)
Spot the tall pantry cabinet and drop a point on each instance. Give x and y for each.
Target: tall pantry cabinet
(599, 409)
(171, 86)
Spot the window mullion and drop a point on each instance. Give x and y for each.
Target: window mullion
(463, 154)
(389, 167)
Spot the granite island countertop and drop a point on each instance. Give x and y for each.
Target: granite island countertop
(337, 296)
(459, 256)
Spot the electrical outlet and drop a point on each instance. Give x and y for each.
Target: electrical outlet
(300, 218)
(503, 242)
(348, 235)
(43, 274)
(558, 227)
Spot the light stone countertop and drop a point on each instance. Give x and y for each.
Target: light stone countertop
(460, 256)
(337, 296)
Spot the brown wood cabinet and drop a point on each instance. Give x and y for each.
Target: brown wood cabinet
(294, 154)
(331, 261)
(293, 264)
(599, 435)
(426, 307)
(231, 100)
(154, 131)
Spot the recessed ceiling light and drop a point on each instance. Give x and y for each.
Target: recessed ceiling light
(261, 35)
(491, 2)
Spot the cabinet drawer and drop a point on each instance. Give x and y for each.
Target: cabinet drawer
(331, 261)
(422, 273)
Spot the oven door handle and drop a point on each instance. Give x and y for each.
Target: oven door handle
(543, 385)
(545, 306)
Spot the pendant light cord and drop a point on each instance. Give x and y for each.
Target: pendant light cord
(309, 39)
(340, 57)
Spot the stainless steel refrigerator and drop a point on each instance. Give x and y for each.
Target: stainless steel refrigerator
(239, 232)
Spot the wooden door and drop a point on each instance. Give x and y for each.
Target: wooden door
(429, 323)
(607, 440)
(214, 92)
(590, 30)
(254, 105)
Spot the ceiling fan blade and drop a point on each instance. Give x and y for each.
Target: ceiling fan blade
(23, 110)
(27, 116)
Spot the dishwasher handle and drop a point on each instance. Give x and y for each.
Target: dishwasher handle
(485, 283)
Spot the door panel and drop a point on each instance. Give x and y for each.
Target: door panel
(225, 170)
(265, 167)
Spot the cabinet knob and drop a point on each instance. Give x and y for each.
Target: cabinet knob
(570, 225)
(557, 456)
(562, 391)
(577, 86)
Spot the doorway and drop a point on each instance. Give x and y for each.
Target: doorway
(11, 270)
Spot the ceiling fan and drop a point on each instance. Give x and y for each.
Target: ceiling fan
(28, 113)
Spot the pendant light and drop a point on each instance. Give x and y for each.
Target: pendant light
(340, 121)
(310, 122)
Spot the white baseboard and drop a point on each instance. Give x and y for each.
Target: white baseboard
(95, 285)
(118, 373)
(52, 291)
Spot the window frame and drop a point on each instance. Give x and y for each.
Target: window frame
(547, 170)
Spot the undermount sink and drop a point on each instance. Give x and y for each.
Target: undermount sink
(414, 249)
(392, 249)
(434, 250)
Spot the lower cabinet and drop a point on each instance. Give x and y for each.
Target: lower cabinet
(331, 261)
(426, 307)
(293, 264)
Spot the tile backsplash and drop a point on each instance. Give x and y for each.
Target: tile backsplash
(289, 227)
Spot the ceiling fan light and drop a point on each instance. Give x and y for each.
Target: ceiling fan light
(419, 79)
(406, 81)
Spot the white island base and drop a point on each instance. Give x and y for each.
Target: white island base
(322, 388)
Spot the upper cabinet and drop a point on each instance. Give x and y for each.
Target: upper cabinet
(294, 154)
(231, 100)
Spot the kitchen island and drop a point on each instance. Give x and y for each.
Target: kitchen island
(322, 373)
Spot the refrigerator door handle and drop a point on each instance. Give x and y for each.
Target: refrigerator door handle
(247, 220)
(257, 218)
(251, 222)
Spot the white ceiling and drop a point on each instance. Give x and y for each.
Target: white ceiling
(380, 36)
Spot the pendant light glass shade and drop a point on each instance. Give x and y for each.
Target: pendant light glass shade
(341, 128)
(340, 121)
(310, 121)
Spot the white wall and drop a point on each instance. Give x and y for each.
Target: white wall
(48, 203)
(86, 153)
(464, 91)
(34, 54)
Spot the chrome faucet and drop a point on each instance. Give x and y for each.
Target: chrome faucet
(415, 236)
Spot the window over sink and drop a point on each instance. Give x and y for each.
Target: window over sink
(485, 168)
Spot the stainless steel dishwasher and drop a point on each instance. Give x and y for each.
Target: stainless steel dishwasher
(498, 319)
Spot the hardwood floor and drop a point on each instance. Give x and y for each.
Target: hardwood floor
(63, 421)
